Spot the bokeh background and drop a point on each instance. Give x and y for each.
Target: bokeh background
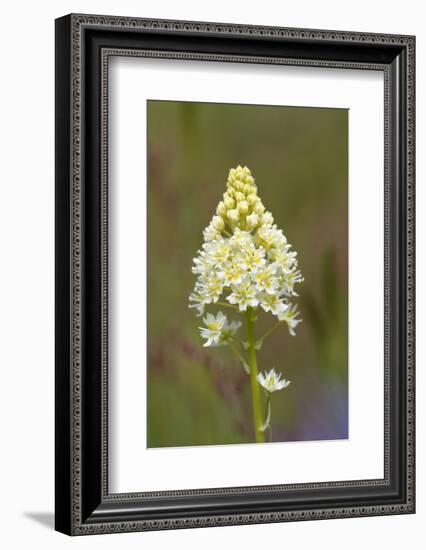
(299, 158)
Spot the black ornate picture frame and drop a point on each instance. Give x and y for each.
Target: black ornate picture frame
(84, 43)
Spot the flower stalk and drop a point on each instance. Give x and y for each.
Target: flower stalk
(254, 385)
(268, 412)
(246, 265)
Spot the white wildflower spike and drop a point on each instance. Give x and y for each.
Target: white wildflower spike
(271, 381)
(245, 259)
(246, 264)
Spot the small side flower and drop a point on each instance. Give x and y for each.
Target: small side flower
(218, 331)
(271, 381)
(290, 317)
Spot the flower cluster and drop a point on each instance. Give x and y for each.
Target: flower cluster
(246, 258)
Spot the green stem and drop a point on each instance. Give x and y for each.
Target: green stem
(267, 421)
(254, 384)
(269, 413)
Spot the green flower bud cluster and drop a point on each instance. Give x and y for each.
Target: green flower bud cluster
(241, 207)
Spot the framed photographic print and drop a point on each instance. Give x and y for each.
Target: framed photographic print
(234, 274)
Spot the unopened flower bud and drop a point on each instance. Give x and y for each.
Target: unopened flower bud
(259, 209)
(229, 202)
(243, 207)
(233, 216)
(252, 199)
(218, 223)
(221, 209)
(239, 196)
(252, 221)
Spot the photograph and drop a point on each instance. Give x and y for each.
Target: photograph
(247, 273)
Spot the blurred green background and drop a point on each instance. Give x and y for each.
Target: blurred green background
(299, 158)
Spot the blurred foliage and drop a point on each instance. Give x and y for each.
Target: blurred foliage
(299, 157)
(327, 316)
